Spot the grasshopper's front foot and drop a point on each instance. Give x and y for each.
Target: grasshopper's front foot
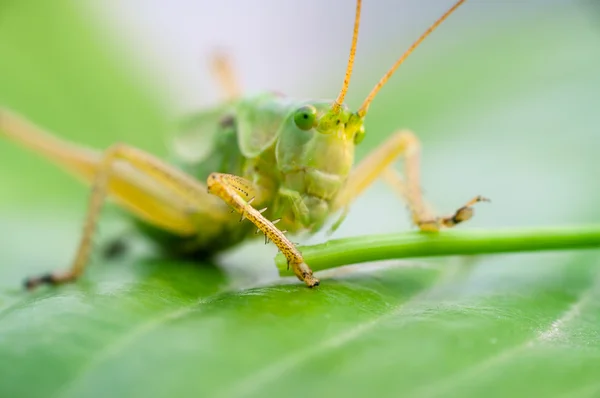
(304, 273)
(461, 215)
(51, 279)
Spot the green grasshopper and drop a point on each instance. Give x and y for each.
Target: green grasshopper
(272, 159)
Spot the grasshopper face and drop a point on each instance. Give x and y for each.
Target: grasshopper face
(316, 137)
(315, 152)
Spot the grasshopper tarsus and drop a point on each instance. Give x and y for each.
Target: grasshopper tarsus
(310, 280)
(31, 283)
(51, 279)
(464, 213)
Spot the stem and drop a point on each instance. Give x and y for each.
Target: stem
(339, 252)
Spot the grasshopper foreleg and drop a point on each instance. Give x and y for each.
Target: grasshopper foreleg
(237, 192)
(378, 164)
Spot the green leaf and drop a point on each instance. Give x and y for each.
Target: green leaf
(511, 115)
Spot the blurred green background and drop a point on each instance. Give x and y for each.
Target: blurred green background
(505, 107)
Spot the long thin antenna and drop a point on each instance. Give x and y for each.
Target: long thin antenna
(364, 107)
(344, 90)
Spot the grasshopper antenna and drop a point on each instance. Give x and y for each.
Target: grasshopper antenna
(340, 98)
(365, 106)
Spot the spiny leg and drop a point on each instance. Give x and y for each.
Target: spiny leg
(187, 194)
(238, 192)
(222, 68)
(378, 164)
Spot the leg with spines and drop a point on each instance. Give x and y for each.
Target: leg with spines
(237, 192)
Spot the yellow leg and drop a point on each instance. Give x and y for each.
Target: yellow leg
(141, 196)
(223, 70)
(238, 193)
(378, 164)
(184, 190)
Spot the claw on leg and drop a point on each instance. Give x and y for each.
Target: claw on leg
(51, 279)
(462, 214)
(304, 273)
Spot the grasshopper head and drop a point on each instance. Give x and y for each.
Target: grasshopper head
(315, 150)
(315, 153)
(330, 128)
(315, 137)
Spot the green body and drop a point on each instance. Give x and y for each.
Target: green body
(298, 173)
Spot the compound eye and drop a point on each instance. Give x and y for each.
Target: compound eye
(359, 135)
(305, 117)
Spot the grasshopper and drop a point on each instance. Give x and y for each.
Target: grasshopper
(269, 158)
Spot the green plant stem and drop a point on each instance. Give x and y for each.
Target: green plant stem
(339, 252)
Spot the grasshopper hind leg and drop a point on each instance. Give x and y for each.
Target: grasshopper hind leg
(184, 195)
